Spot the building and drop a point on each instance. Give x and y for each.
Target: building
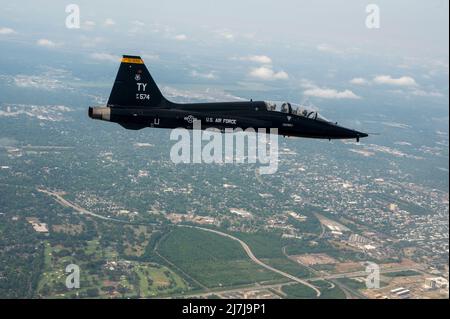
(436, 283)
(401, 293)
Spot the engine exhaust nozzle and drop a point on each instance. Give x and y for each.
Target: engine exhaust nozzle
(100, 113)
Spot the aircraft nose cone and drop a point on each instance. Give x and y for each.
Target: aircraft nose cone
(360, 134)
(345, 133)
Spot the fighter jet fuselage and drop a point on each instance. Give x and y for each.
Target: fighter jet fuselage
(136, 102)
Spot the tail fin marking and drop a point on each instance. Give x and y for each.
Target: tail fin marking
(134, 86)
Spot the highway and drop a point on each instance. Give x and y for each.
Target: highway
(364, 274)
(250, 254)
(64, 202)
(58, 197)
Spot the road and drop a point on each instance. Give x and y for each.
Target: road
(240, 289)
(363, 273)
(250, 254)
(58, 197)
(64, 202)
(349, 293)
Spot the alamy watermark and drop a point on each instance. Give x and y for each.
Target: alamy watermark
(373, 16)
(373, 275)
(228, 148)
(73, 277)
(73, 17)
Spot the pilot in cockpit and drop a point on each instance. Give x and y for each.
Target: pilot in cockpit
(286, 108)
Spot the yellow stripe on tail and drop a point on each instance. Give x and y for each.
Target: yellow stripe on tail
(132, 60)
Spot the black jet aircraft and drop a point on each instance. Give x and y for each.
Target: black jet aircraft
(136, 102)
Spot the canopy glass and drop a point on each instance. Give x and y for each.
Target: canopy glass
(296, 109)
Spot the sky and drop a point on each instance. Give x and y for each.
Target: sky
(409, 27)
(392, 80)
(321, 48)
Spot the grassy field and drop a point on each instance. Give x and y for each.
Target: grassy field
(327, 289)
(155, 281)
(97, 280)
(404, 273)
(288, 266)
(299, 291)
(211, 259)
(269, 248)
(353, 283)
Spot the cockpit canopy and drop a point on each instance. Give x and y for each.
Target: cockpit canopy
(295, 109)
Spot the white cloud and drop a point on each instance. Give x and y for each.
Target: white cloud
(222, 34)
(263, 59)
(88, 24)
(150, 56)
(46, 43)
(266, 73)
(433, 66)
(359, 81)
(328, 48)
(226, 34)
(196, 95)
(424, 93)
(208, 75)
(138, 23)
(389, 80)
(105, 57)
(180, 37)
(5, 31)
(307, 84)
(109, 22)
(326, 93)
